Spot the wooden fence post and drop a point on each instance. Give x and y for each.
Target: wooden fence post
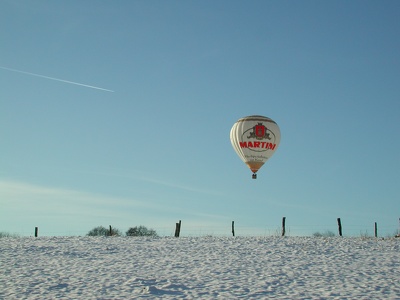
(110, 232)
(233, 228)
(36, 231)
(376, 229)
(283, 226)
(178, 229)
(398, 230)
(340, 226)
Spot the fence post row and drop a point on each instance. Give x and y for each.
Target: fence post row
(178, 228)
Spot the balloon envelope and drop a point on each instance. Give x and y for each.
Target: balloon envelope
(255, 139)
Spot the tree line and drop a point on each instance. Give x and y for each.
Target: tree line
(133, 231)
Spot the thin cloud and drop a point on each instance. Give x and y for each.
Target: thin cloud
(24, 204)
(56, 79)
(24, 196)
(158, 181)
(181, 187)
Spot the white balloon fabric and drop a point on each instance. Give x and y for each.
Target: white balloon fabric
(255, 139)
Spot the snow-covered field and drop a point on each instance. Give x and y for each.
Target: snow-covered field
(199, 268)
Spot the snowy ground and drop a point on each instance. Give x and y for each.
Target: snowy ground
(199, 268)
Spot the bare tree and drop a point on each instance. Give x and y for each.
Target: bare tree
(141, 231)
(102, 231)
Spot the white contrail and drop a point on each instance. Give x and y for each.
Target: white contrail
(56, 79)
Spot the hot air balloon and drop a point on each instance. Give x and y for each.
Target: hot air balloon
(255, 139)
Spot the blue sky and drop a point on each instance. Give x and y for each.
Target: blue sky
(144, 138)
